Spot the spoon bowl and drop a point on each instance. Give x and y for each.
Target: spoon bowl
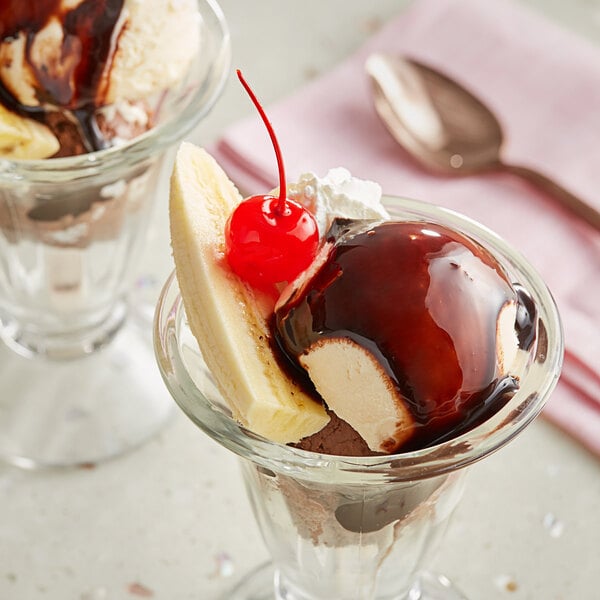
(448, 129)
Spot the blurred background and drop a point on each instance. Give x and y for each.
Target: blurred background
(171, 521)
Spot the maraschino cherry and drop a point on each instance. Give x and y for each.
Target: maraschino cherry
(270, 239)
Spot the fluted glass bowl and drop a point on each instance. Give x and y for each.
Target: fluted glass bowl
(76, 375)
(357, 527)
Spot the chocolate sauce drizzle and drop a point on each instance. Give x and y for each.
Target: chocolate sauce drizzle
(424, 300)
(69, 92)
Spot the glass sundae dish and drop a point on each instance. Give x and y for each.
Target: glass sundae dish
(92, 95)
(412, 343)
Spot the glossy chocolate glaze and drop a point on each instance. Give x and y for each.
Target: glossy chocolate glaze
(425, 301)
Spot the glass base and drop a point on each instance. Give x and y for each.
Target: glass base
(84, 410)
(65, 345)
(262, 584)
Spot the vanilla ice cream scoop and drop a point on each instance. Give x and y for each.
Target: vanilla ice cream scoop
(408, 330)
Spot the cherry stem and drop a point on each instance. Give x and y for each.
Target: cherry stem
(282, 185)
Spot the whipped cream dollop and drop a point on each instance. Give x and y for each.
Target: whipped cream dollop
(338, 194)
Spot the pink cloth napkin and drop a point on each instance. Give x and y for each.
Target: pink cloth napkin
(544, 84)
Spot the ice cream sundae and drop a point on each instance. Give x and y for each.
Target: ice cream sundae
(357, 352)
(355, 357)
(78, 76)
(93, 94)
(376, 336)
(81, 76)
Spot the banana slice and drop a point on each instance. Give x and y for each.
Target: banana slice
(22, 138)
(227, 318)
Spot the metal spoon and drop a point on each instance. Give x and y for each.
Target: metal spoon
(449, 130)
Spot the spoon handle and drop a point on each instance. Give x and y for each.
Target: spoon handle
(569, 201)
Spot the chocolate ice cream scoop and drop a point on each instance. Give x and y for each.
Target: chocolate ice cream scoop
(408, 331)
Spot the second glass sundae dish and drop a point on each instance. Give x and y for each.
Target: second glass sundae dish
(93, 93)
(358, 352)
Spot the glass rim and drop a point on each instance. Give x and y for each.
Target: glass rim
(164, 134)
(440, 459)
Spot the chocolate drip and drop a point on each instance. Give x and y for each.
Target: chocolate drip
(21, 15)
(526, 317)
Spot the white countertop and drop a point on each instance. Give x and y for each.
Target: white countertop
(171, 521)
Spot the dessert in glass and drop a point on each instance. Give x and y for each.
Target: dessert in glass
(93, 93)
(405, 344)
